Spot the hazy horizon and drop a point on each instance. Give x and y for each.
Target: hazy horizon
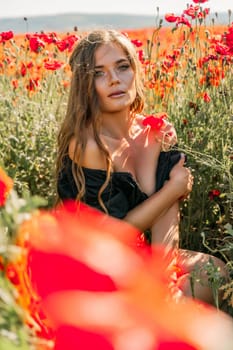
(28, 8)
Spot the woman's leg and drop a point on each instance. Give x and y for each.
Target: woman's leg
(193, 280)
(166, 229)
(200, 275)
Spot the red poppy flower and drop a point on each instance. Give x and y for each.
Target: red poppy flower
(29, 64)
(207, 58)
(4, 36)
(35, 43)
(221, 49)
(6, 184)
(214, 194)
(206, 97)
(203, 13)
(53, 65)
(191, 11)
(170, 17)
(23, 69)
(183, 20)
(136, 42)
(15, 83)
(67, 43)
(62, 45)
(228, 38)
(141, 55)
(49, 38)
(155, 121)
(169, 62)
(33, 83)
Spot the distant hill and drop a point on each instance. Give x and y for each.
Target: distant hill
(67, 22)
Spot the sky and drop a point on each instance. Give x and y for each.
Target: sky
(26, 8)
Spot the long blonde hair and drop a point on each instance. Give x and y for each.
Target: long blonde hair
(83, 108)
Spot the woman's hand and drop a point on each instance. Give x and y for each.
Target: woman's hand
(182, 178)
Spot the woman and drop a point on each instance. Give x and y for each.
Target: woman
(110, 158)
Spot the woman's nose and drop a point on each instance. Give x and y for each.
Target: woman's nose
(113, 77)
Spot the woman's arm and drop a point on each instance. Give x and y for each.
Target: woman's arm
(145, 214)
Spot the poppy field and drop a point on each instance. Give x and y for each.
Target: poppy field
(187, 70)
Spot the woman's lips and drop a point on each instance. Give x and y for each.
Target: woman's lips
(117, 94)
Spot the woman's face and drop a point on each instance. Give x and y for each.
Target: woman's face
(114, 79)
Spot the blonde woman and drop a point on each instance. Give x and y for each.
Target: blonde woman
(111, 159)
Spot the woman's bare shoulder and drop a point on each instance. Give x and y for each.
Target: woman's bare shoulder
(138, 122)
(92, 157)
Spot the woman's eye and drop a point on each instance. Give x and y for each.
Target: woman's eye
(98, 73)
(124, 67)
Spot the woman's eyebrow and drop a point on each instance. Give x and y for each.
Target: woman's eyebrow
(121, 60)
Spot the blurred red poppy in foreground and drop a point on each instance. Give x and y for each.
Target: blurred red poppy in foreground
(6, 184)
(103, 291)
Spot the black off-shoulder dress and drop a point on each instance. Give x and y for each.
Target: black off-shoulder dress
(122, 193)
